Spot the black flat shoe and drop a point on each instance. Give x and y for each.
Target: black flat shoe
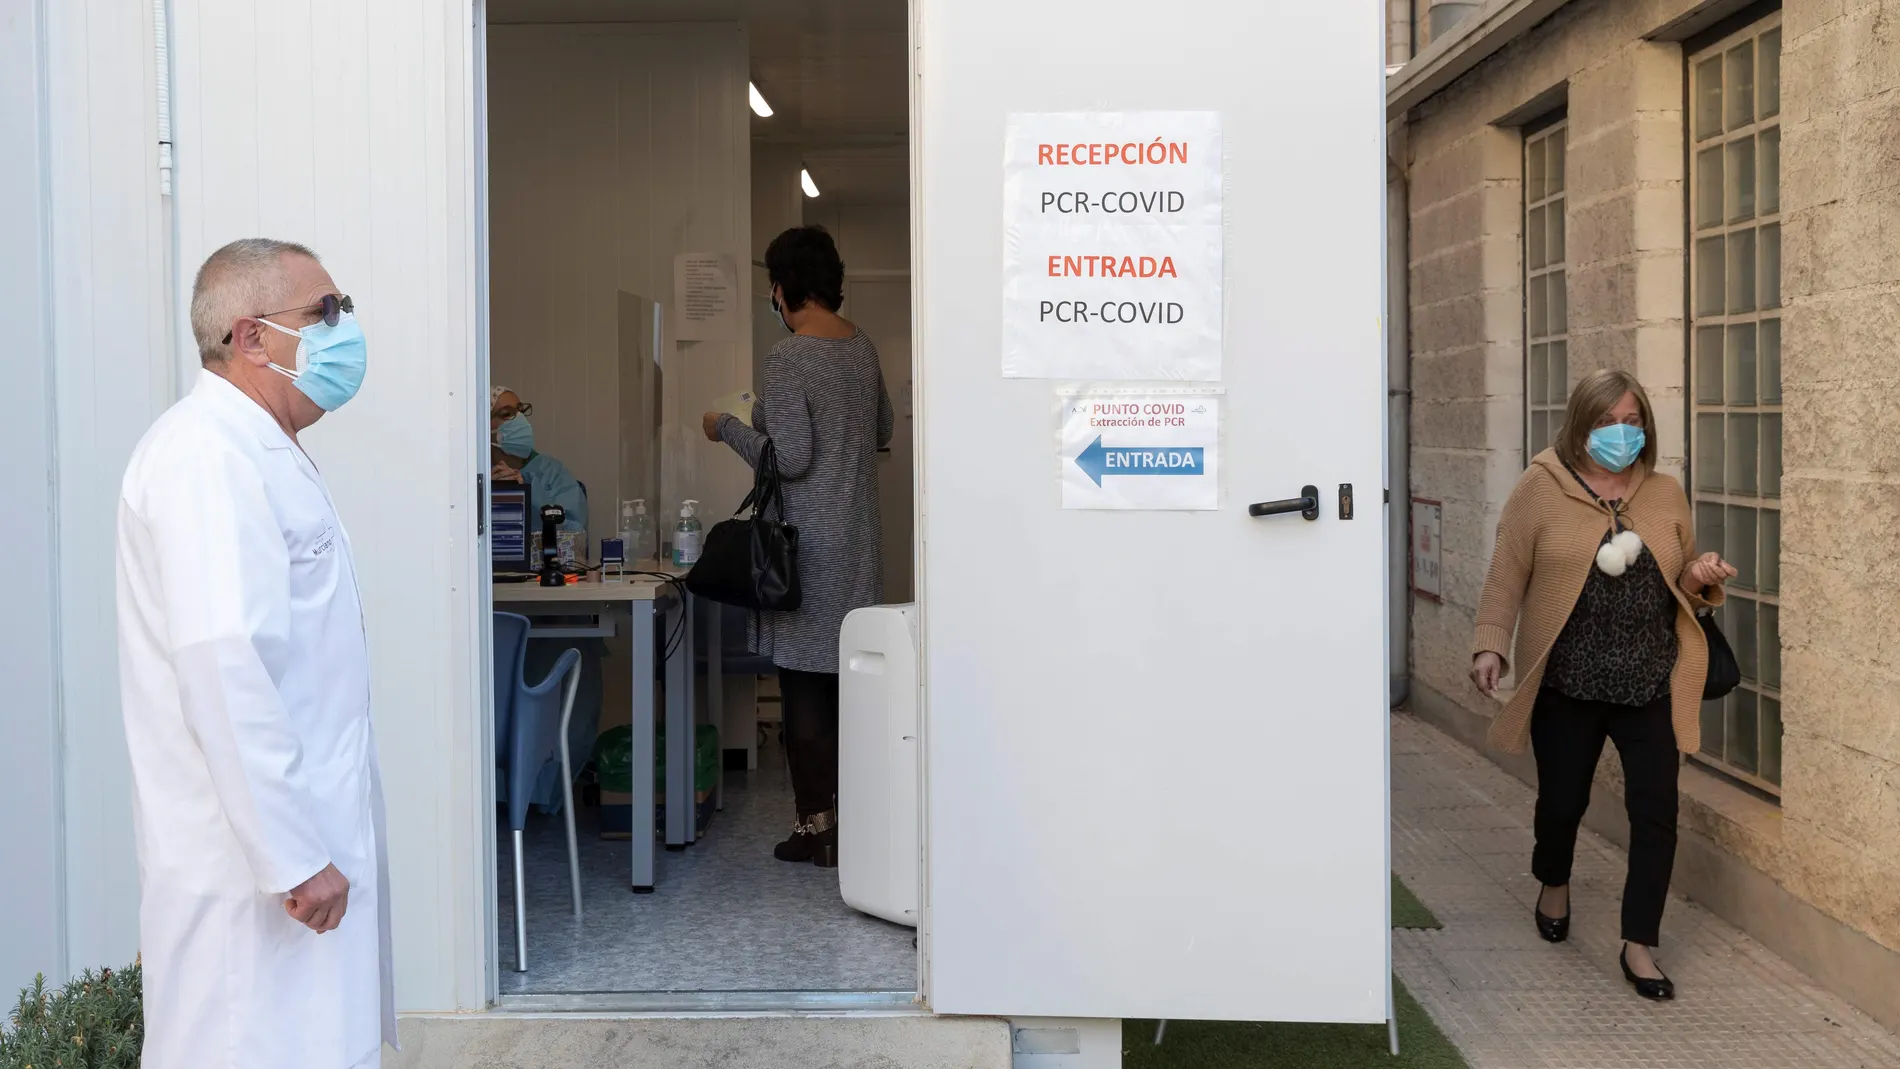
(1661, 990)
(1553, 929)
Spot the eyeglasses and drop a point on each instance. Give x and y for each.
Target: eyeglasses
(333, 305)
(522, 409)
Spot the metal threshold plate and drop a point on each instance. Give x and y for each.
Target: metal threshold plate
(716, 1002)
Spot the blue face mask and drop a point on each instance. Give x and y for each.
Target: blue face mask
(1617, 446)
(331, 361)
(516, 437)
(780, 312)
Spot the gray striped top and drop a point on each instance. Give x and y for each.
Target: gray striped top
(823, 404)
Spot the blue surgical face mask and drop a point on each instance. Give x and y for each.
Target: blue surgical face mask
(331, 361)
(780, 312)
(516, 437)
(1617, 446)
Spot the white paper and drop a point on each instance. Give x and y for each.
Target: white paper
(1112, 270)
(705, 297)
(1134, 448)
(738, 404)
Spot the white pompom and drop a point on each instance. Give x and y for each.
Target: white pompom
(1630, 543)
(1611, 560)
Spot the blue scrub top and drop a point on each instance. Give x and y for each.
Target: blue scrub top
(550, 483)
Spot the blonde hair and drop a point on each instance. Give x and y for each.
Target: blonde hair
(1599, 392)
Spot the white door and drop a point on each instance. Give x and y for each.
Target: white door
(1156, 741)
(881, 307)
(350, 130)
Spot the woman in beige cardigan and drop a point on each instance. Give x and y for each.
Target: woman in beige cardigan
(1596, 572)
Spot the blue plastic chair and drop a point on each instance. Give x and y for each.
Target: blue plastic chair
(531, 725)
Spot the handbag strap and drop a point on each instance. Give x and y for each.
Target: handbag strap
(766, 486)
(1616, 508)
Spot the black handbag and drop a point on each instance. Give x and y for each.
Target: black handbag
(1725, 674)
(751, 561)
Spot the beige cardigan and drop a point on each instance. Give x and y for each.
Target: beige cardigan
(1547, 544)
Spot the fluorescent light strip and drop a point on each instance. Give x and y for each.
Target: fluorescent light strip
(759, 106)
(804, 181)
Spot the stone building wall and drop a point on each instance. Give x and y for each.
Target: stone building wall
(1834, 840)
(1841, 483)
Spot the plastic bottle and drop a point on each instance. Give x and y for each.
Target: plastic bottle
(640, 530)
(686, 536)
(625, 533)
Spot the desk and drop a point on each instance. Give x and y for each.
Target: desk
(639, 597)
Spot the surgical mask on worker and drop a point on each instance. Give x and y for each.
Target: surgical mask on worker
(1617, 446)
(516, 437)
(780, 312)
(331, 361)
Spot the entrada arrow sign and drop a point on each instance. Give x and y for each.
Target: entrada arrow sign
(1098, 460)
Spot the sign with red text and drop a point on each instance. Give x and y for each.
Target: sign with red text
(1112, 246)
(1134, 448)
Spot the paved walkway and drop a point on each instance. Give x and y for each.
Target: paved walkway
(1461, 840)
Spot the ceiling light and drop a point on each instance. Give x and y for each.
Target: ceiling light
(759, 106)
(804, 180)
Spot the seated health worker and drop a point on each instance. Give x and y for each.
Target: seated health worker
(511, 451)
(825, 409)
(515, 460)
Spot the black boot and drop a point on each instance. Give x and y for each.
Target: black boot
(824, 840)
(798, 848)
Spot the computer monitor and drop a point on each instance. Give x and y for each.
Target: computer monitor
(509, 525)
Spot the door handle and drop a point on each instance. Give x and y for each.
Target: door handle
(1307, 505)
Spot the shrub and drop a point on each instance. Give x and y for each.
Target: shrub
(95, 1022)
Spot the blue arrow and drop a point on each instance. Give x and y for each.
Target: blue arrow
(1099, 460)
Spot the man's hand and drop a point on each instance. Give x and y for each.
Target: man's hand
(502, 473)
(319, 902)
(710, 424)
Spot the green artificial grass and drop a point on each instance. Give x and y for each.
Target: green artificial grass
(1407, 910)
(1244, 1045)
(1241, 1045)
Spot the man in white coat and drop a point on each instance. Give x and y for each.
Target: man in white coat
(244, 675)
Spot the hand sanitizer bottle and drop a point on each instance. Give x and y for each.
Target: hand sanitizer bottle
(640, 532)
(686, 536)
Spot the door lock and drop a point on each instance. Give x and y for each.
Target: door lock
(1307, 505)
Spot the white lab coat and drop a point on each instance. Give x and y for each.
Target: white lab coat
(244, 677)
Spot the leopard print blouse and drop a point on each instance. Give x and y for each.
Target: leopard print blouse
(1619, 645)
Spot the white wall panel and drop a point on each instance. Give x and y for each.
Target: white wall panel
(357, 140)
(612, 149)
(31, 895)
(112, 375)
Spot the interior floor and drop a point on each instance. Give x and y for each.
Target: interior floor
(724, 915)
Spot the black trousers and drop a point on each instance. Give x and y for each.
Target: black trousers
(809, 704)
(1567, 736)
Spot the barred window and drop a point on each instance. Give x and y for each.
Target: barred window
(1546, 303)
(1735, 366)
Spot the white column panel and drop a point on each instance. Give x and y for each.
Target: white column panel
(348, 125)
(31, 895)
(112, 375)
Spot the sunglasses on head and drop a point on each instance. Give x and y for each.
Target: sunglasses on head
(333, 306)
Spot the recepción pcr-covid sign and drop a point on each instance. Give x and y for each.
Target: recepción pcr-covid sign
(1112, 246)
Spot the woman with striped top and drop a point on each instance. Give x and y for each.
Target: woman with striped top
(824, 407)
(1597, 575)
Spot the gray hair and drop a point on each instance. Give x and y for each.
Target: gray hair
(245, 278)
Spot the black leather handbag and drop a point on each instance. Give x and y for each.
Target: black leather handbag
(751, 561)
(1724, 673)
